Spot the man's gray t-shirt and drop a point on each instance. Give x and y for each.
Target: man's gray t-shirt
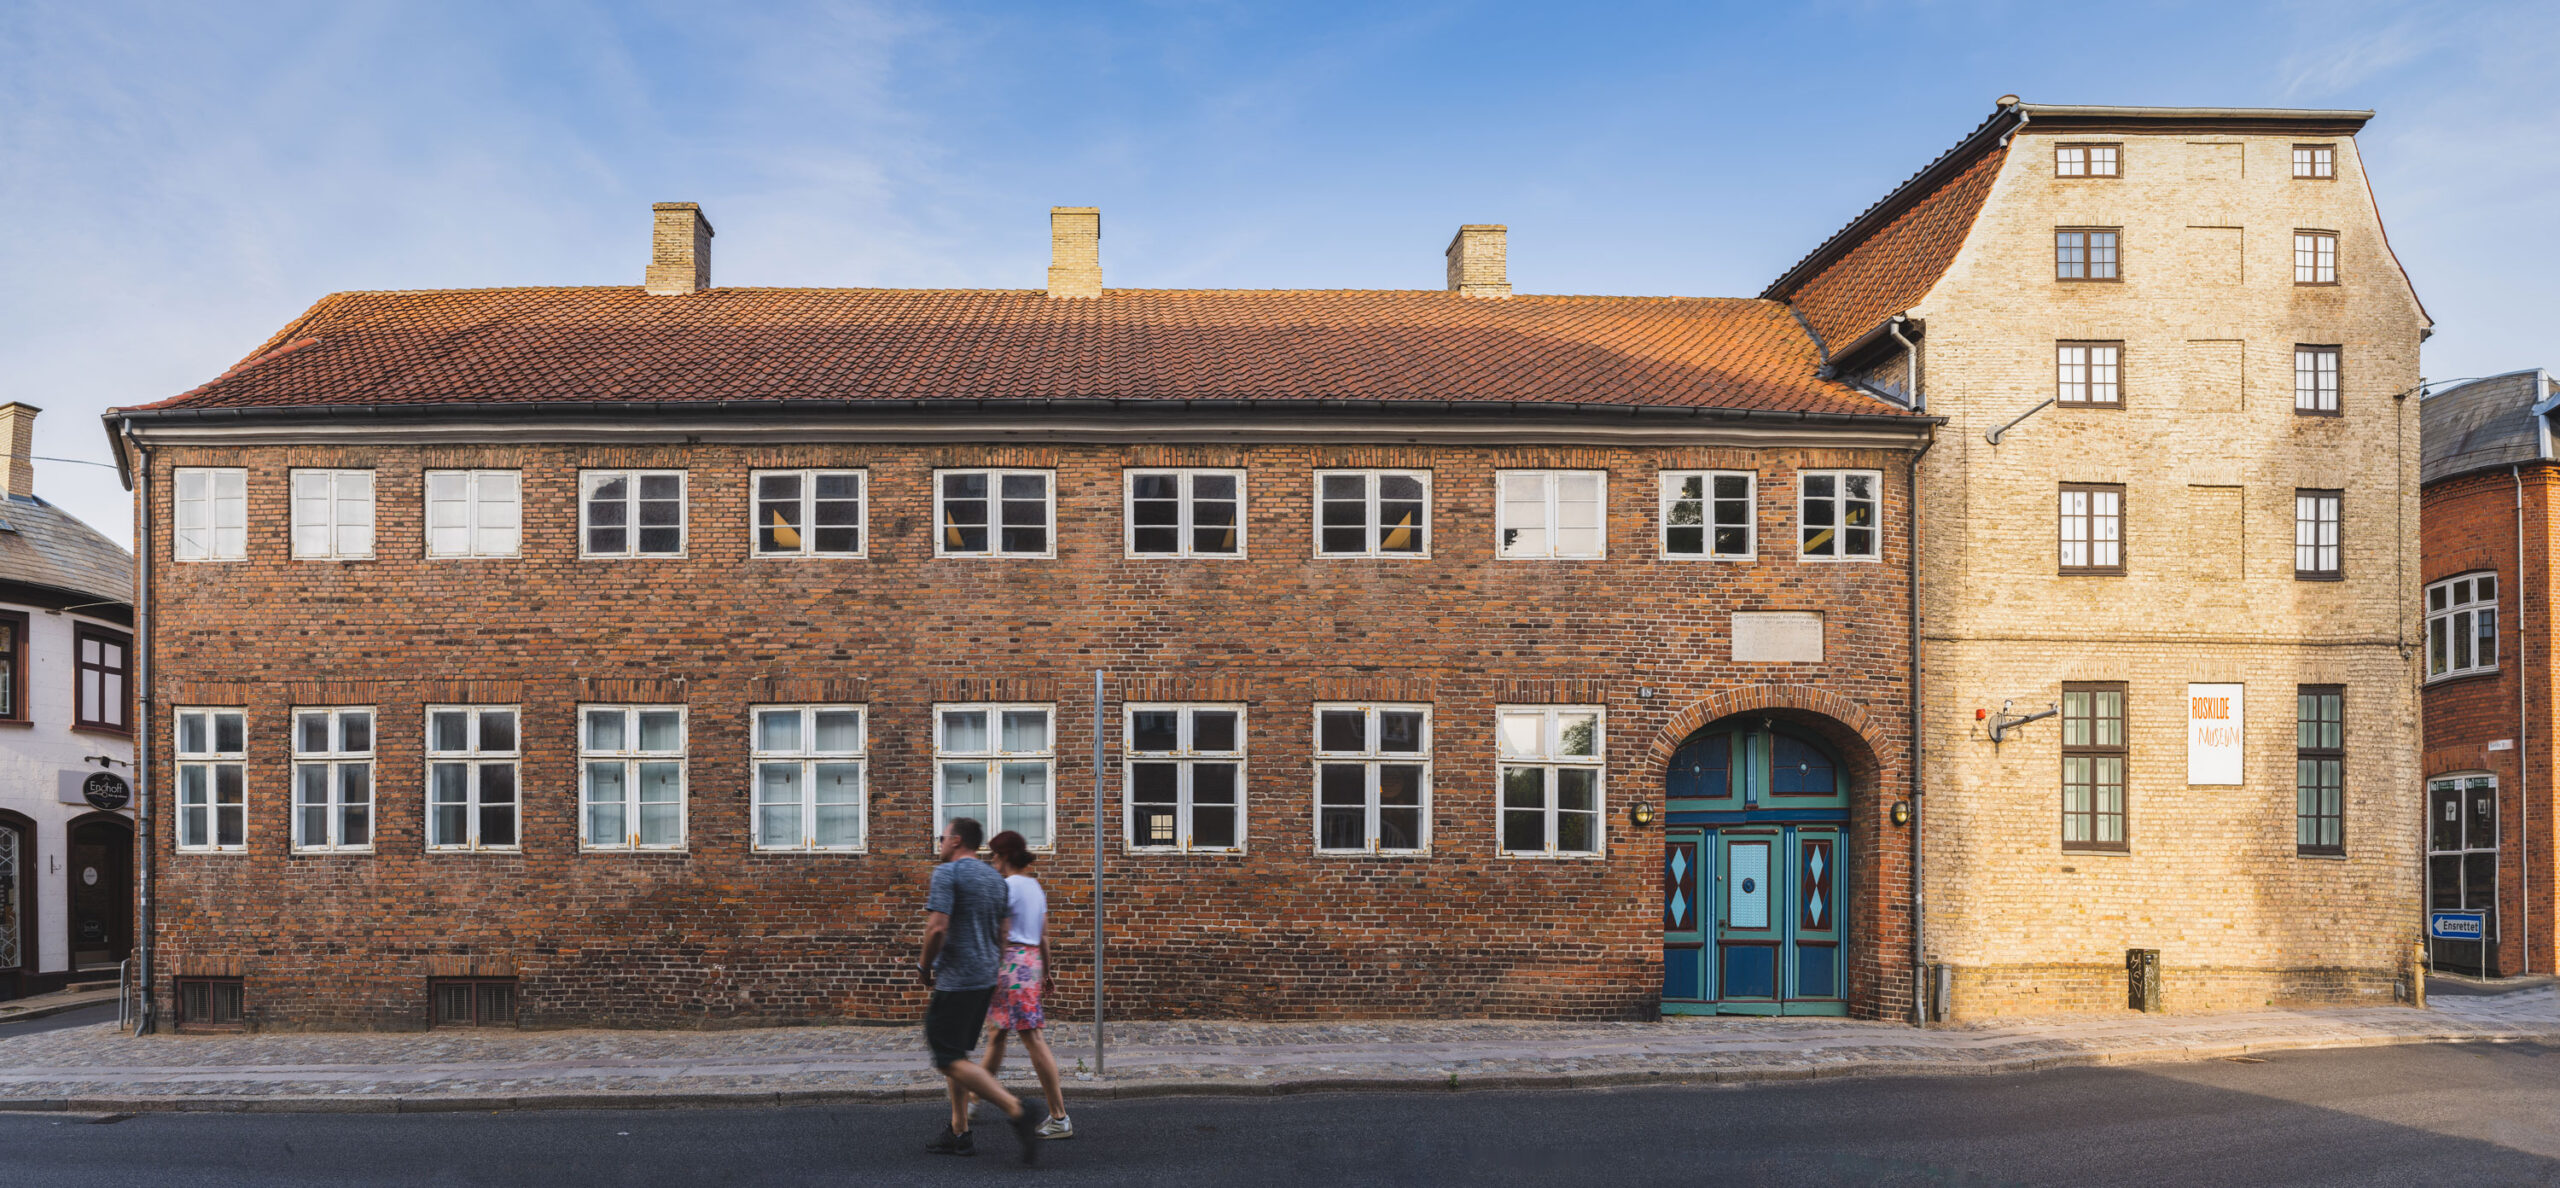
(973, 895)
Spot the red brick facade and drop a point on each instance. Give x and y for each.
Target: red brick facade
(2470, 525)
(719, 935)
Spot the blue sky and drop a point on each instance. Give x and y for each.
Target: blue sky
(176, 181)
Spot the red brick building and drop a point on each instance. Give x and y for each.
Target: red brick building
(2489, 477)
(610, 655)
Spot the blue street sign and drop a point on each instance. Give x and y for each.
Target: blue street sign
(2458, 926)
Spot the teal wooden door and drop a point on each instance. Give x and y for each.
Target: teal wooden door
(1753, 877)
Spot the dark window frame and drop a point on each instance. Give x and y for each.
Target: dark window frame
(2337, 368)
(2338, 500)
(2335, 241)
(2303, 753)
(477, 997)
(237, 1014)
(17, 632)
(81, 635)
(2095, 751)
(2088, 373)
(2088, 165)
(2115, 263)
(2330, 148)
(2062, 517)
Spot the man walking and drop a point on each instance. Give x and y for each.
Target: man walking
(963, 914)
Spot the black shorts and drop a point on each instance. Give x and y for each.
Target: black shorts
(953, 1021)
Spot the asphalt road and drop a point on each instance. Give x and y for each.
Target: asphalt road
(2450, 1114)
(104, 1012)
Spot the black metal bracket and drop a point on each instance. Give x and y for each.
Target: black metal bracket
(2004, 721)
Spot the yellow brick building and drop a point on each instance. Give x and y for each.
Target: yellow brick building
(2177, 478)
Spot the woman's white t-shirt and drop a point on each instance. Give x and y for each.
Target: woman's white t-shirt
(1029, 906)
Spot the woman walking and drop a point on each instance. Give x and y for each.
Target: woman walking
(1023, 976)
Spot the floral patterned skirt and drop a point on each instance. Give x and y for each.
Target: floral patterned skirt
(1016, 1006)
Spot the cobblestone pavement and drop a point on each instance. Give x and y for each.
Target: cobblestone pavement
(98, 1069)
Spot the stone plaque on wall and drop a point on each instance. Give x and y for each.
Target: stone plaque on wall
(1777, 637)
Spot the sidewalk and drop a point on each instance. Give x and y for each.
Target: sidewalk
(97, 1070)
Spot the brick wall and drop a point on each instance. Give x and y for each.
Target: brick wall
(719, 935)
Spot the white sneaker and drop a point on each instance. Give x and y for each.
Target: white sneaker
(1059, 1126)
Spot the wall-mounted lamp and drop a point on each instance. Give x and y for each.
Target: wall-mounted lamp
(1902, 812)
(1642, 814)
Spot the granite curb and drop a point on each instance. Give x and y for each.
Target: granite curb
(1448, 1082)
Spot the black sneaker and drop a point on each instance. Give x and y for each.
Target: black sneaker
(1026, 1128)
(948, 1143)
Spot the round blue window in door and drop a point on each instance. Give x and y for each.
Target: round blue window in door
(1748, 886)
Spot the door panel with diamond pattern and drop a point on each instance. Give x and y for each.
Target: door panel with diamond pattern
(1754, 878)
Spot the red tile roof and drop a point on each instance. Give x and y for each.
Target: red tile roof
(603, 344)
(1891, 267)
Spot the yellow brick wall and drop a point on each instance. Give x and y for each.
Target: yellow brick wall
(2210, 452)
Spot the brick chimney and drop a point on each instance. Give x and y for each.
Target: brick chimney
(18, 436)
(1477, 261)
(679, 250)
(1075, 251)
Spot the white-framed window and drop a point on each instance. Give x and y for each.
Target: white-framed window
(2317, 161)
(2315, 257)
(333, 779)
(332, 515)
(995, 513)
(996, 764)
(475, 513)
(1840, 514)
(1185, 513)
(812, 513)
(2089, 374)
(1552, 761)
(631, 779)
(212, 512)
(1710, 513)
(472, 800)
(1373, 779)
(1373, 513)
(2315, 379)
(1184, 777)
(1552, 513)
(2462, 625)
(631, 513)
(809, 767)
(213, 803)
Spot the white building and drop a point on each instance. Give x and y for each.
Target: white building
(66, 701)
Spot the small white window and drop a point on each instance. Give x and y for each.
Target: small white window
(1186, 513)
(811, 513)
(2316, 544)
(2462, 625)
(472, 751)
(994, 513)
(1840, 515)
(1373, 513)
(993, 764)
(1185, 777)
(808, 763)
(2085, 160)
(2317, 161)
(2315, 380)
(212, 506)
(631, 784)
(1373, 779)
(332, 515)
(631, 513)
(1553, 513)
(333, 779)
(474, 513)
(1710, 513)
(2089, 373)
(213, 805)
(1551, 774)
(2315, 257)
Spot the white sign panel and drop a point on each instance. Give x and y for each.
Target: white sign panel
(2213, 734)
(1777, 637)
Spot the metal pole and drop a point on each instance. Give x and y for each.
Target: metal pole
(1097, 872)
